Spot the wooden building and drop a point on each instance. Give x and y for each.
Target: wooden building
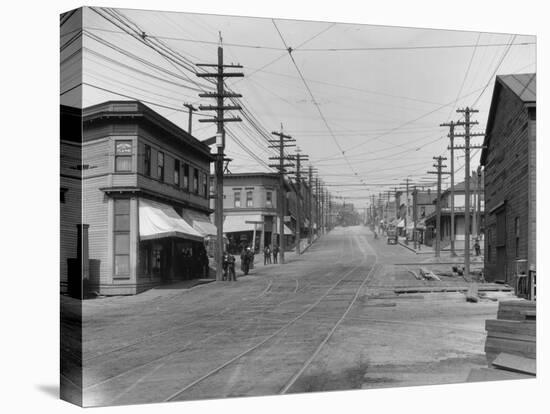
(251, 210)
(509, 160)
(136, 188)
(476, 217)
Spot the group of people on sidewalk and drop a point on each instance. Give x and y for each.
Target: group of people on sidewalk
(247, 261)
(268, 252)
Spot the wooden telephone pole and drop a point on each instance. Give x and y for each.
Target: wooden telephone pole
(220, 120)
(451, 135)
(280, 144)
(467, 123)
(311, 203)
(439, 171)
(299, 158)
(191, 109)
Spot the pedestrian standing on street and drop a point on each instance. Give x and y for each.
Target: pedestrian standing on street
(275, 253)
(245, 260)
(477, 247)
(267, 255)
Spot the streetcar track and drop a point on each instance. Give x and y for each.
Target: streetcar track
(308, 362)
(209, 374)
(191, 323)
(264, 308)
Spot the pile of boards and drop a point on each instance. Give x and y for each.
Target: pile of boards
(510, 347)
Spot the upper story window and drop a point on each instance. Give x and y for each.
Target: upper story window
(147, 161)
(123, 156)
(249, 202)
(269, 199)
(186, 177)
(196, 181)
(160, 166)
(177, 172)
(237, 198)
(204, 185)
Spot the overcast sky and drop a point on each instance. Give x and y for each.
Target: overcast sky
(364, 102)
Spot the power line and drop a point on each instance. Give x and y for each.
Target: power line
(351, 49)
(313, 98)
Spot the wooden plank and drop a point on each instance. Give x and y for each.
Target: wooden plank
(491, 374)
(515, 327)
(523, 348)
(512, 336)
(516, 363)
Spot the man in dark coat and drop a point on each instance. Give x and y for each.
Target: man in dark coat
(275, 253)
(245, 260)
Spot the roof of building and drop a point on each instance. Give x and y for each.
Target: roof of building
(524, 86)
(137, 110)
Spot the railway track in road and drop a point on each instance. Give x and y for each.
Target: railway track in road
(253, 303)
(330, 294)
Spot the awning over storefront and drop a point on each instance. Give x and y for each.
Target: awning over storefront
(287, 231)
(157, 220)
(200, 222)
(237, 223)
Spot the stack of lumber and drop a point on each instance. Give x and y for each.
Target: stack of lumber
(513, 332)
(510, 347)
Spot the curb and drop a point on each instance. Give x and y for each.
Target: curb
(407, 247)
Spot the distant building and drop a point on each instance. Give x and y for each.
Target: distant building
(250, 209)
(509, 160)
(134, 196)
(422, 206)
(459, 215)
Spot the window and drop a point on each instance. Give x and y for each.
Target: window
(204, 185)
(269, 199)
(177, 172)
(160, 166)
(195, 180)
(147, 161)
(249, 202)
(237, 199)
(186, 177)
(123, 156)
(122, 238)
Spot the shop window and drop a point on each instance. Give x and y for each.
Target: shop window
(269, 199)
(177, 172)
(122, 238)
(249, 202)
(237, 199)
(147, 161)
(160, 166)
(195, 181)
(123, 156)
(186, 177)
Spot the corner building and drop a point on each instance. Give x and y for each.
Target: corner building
(144, 198)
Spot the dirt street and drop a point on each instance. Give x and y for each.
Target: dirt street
(329, 319)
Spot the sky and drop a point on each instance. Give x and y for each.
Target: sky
(364, 102)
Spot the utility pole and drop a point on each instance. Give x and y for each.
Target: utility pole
(480, 183)
(311, 203)
(467, 123)
(299, 158)
(451, 135)
(439, 171)
(191, 109)
(220, 121)
(415, 215)
(280, 144)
